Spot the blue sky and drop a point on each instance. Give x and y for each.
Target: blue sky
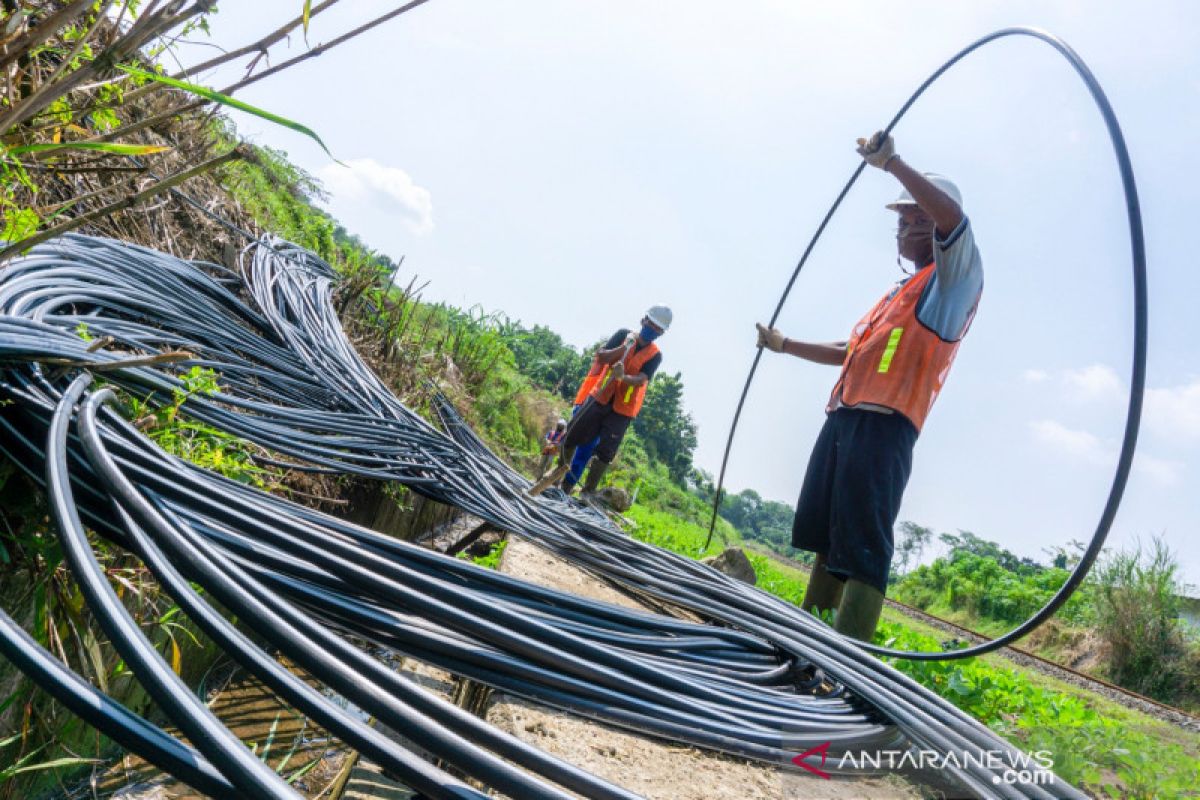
(570, 163)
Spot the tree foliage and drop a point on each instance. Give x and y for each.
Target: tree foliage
(982, 579)
(668, 431)
(911, 545)
(755, 518)
(543, 357)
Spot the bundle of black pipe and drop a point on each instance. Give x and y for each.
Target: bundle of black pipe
(309, 584)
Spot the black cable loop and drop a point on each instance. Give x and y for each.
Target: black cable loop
(1137, 379)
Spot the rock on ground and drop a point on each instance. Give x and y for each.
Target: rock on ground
(734, 563)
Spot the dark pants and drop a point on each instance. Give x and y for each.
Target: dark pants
(852, 491)
(595, 420)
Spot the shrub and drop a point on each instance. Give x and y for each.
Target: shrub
(1137, 611)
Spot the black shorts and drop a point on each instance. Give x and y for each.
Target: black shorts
(595, 420)
(852, 490)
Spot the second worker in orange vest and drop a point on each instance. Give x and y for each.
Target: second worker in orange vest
(892, 368)
(612, 395)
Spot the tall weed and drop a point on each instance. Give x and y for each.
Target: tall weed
(1137, 609)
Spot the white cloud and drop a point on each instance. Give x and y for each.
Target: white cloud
(1097, 382)
(389, 190)
(1174, 412)
(1035, 376)
(1091, 449)
(1079, 444)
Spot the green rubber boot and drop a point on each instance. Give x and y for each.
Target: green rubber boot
(858, 613)
(824, 591)
(595, 473)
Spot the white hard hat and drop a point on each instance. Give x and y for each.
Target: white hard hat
(562, 423)
(660, 316)
(940, 181)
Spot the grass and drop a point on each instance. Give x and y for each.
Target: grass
(670, 533)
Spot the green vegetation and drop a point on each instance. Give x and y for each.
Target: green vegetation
(200, 444)
(541, 355)
(664, 529)
(490, 559)
(1132, 601)
(766, 522)
(983, 580)
(1109, 750)
(1137, 612)
(1088, 743)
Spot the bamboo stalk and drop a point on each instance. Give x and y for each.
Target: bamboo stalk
(90, 195)
(259, 46)
(170, 357)
(83, 40)
(35, 36)
(313, 53)
(143, 30)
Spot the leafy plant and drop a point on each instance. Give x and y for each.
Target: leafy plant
(193, 441)
(1137, 610)
(225, 100)
(490, 560)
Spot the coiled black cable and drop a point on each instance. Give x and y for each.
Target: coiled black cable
(1137, 380)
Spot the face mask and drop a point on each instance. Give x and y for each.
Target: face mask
(648, 334)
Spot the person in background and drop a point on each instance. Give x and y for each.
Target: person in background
(614, 392)
(892, 368)
(550, 443)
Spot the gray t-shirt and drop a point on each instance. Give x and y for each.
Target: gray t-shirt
(948, 302)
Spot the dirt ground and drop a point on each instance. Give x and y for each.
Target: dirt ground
(657, 769)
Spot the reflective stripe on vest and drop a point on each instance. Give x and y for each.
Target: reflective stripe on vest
(890, 351)
(894, 361)
(627, 400)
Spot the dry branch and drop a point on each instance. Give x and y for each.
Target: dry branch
(124, 203)
(147, 27)
(49, 26)
(313, 53)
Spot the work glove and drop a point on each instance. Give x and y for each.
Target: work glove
(618, 371)
(770, 338)
(878, 150)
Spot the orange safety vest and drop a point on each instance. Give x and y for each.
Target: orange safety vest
(627, 400)
(893, 360)
(594, 376)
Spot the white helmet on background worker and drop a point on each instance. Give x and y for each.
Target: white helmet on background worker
(940, 181)
(660, 316)
(562, 423)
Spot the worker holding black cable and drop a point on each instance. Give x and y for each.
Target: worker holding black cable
(893, 367)
(615, 390)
